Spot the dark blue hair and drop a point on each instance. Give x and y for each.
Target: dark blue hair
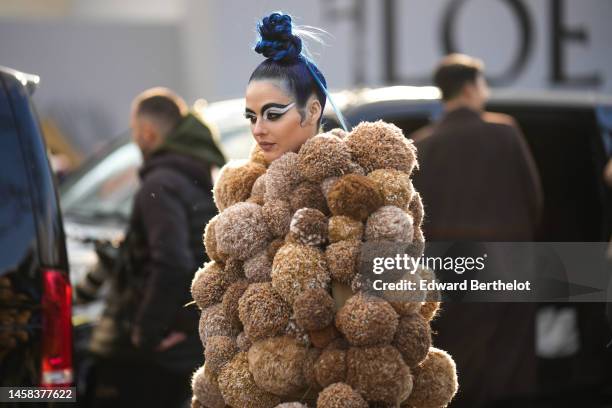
(285, 61)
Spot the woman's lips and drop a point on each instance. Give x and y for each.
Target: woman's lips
(266, 147)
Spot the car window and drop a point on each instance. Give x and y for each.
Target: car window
(16, 219)
(107, 189)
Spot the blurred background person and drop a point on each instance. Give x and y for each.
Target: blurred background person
(146, 343)
(479, 183)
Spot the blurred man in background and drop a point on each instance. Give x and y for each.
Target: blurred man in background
(146, 342)
(479, 183)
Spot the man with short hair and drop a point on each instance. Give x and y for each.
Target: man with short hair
(146, 341)
(479, 183)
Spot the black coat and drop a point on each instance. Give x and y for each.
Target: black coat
(163, 249)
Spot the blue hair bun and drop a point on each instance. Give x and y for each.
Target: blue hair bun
(277, 41)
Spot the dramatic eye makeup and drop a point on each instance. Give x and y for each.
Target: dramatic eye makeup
(270, 111)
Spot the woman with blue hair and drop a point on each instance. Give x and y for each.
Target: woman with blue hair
(286, 94)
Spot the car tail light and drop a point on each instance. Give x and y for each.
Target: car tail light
(57, 329)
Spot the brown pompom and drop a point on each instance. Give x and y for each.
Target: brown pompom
(322, 156)
(322, 338)
(394, 186)
(413, 339)
(314, 309)
(327, 184)
(417, 247)
(429, 310)
(277, 215)
(340, 395)
(308, 369)
(380, 145)
(206, 389)
(415, 208)
(274, 247)
(213, 322)
(330, 367)
(241, 231)
(258, 268)
(282, 177)
(342, 260)
(209, 285)
(238, 386)
(354, 196)
(379, 374)
(235, 183)
(276, 364)
(367, 320)
(291, 405)
(262, 311)
(257, 156)
(243, 342)
(233, 268)
(389, 223)
(309, 227)
(210, 241)
(295, 331)
(343, 228)
(219, 351)
(435, 381)
(230, 301)
(296, 268)
(259, 189)
(308, 195)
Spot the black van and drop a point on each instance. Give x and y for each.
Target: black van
(35, 291)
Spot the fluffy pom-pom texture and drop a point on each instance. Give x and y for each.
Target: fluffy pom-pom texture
(282, 177)
(342, 260)
(308, 195)
(258, 190)
(379, 374)
(230, 301)
(291, 405)
(340, 395)
(389, 223)
(394, 186)
(206, 389)
(367, 320)
(342, 228)
(239, 388)
(415, 208)
(262, 311)
(210, 241)
(314, 309)
(330, 367)
(322, 338)
(327, 184)
(235, 183)
(241, 231)
(309, 227)
(277, 215)
(355, 196)
(213, 322)
(312, 355)
(380, 145)
(323, 156)
(297, 268)
(276, 364)
(435, 381)
(258, 268)
(219, 351)
(209, 285)
(413, 339)
(243, 342)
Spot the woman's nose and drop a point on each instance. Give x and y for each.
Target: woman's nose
(259, 128)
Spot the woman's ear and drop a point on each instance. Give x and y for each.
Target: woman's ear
(314, 111)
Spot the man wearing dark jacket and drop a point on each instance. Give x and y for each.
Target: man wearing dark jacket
(147, 340)
(478, 182)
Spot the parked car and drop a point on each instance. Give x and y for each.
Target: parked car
(35, 292)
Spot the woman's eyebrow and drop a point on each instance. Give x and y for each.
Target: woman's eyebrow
(247, 110)
(273, 105)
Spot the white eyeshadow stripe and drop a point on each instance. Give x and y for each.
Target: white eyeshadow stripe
(278, 111)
